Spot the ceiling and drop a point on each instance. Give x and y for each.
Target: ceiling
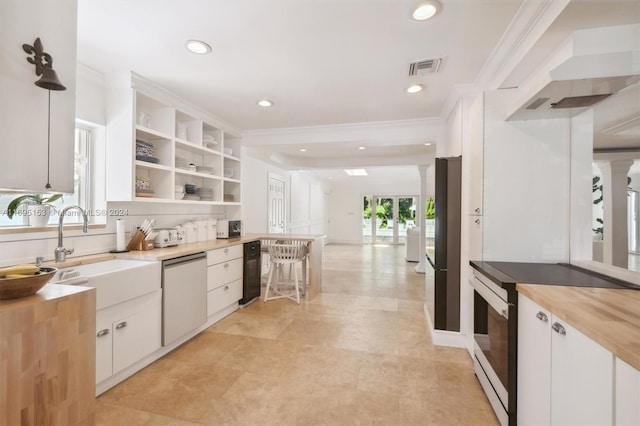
(326, 63)
(321, 62)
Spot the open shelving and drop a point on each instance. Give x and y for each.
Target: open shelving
(181, 136)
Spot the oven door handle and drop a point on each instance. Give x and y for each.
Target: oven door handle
(495, 301)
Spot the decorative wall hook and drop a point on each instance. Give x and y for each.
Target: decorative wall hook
(44, 66)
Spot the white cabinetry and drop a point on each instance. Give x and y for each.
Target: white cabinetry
(224, 278)
(563, 376)
(126, 333)
(627, 394)
(23, 105)
(179, 136)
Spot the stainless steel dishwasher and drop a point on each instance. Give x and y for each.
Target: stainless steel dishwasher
(184, 295)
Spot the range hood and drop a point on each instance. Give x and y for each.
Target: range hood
(588, 67)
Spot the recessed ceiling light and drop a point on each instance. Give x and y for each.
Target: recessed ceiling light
(427, 144)
(362, 148)
(266, 103)
(426, 10)
(356, 172)
(197, 46)
(303, 150)
(415, 88)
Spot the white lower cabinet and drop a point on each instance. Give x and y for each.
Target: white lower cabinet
(564, 378)
(224, 278)
(627, 394)
(126, 333)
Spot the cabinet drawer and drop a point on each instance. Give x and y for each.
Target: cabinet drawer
(224, 296)
(224, 273)
(224, 254)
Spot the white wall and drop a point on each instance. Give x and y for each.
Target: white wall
(526, 186)
(346, 198)
(25, 246)
(305, 198)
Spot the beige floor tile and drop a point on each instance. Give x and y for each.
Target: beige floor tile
(254, 325)
(260, 356)
(117, 415)
(359, 353)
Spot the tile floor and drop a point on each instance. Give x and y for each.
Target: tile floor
(359, 353)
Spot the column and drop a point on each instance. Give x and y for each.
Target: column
(420, 214)
(614, 190)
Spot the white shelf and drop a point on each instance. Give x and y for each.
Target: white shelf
(150, 133)
(140, 163)
(196, 174)
(176, 129)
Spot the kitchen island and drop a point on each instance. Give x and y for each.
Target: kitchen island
(47, 357)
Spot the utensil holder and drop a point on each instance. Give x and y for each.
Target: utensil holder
(138, 242)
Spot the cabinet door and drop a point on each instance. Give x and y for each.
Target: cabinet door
(534, 363)
(104, 347)
(627, 394)
(581, 378)
(137, 335)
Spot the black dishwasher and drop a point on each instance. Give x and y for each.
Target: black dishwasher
(251, 272)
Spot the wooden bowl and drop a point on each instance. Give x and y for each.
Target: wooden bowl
(13, 288)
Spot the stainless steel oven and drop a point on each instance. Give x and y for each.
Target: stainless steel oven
(494, 323)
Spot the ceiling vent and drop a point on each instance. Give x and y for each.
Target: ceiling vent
(424, 67)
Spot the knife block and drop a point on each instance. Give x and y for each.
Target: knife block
(139, 242)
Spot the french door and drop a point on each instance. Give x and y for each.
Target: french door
(385, 219)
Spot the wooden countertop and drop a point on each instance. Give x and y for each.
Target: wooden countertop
(610, 317)
(46, 293)
(181, 250)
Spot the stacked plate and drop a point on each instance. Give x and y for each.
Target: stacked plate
(190, 188)
(205, 194)
(206, 169)
(191, 197)
(182, 163)
(144, 148)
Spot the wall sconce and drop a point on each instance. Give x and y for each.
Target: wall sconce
(49, 80)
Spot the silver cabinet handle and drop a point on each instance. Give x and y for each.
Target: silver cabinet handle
(477, 221)
(542, 316)
(558, 328)
(477, 210)
(102, 333)
(123, 324)
(226, 265)
(226, 287)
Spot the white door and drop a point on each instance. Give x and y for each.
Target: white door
(277, 218)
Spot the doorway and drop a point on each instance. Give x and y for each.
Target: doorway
(385, 219)
(277, 219)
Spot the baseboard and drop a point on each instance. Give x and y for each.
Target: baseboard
(451, 339)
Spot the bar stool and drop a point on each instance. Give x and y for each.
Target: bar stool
(281, 254)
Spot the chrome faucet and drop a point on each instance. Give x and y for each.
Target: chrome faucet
(61, 252)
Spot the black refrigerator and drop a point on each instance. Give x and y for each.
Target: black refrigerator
(448, 188)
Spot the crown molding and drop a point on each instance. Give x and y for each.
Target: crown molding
(426, 129)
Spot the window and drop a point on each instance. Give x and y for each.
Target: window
(82, 187)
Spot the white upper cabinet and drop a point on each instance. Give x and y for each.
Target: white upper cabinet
(159, 146)
(24, 106)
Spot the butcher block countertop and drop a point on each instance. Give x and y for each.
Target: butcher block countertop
(610, 317)
(186, 249)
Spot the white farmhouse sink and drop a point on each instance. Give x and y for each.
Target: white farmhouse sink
(116, 280)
